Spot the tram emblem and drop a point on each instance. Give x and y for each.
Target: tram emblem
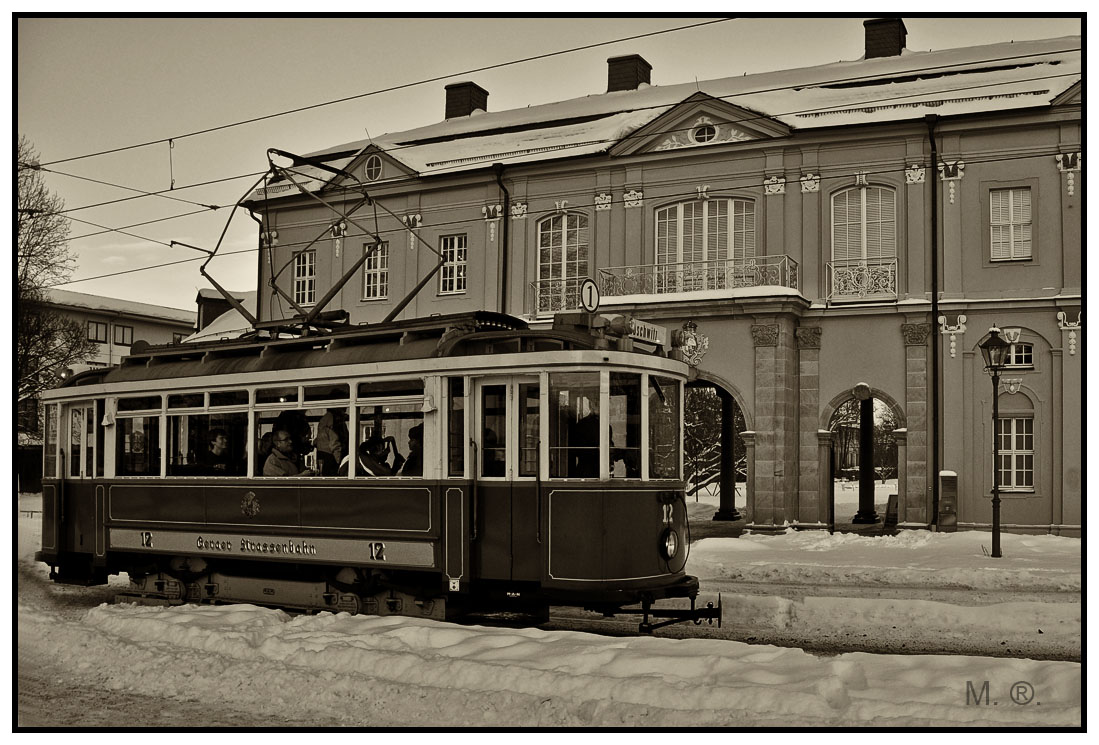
(249, 506)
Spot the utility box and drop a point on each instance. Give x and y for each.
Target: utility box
(948, 501)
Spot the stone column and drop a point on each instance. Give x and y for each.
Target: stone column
(916, 507)
(776, 383)
(727, 508)
(900, 436)
(825, 440)
(812, 501)
(749, 438)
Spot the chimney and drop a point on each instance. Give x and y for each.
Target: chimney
(627, 73)
(884, 37)
(462, 99)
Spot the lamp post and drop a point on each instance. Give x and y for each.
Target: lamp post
(994, 350)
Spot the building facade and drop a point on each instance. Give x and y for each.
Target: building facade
(114, 325)
(809, 235)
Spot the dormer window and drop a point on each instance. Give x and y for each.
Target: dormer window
(373, 168)
(703, 134)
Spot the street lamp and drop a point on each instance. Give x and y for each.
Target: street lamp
(994, 350)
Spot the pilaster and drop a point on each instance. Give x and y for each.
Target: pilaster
(811, 498)
(916, 506)
(776, 472)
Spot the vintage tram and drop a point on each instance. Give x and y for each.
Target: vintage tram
(429, 467)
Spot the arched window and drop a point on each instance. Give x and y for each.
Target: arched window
(562, 261)
(864, 244)
(864, 223)
(700, 237)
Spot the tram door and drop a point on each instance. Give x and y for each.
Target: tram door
(507, 439)
(76, 505)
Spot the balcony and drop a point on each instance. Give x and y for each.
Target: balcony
(546, 297)
(862, 279)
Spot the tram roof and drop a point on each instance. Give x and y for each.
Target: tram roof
(459, 334)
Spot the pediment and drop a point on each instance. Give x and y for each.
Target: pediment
(700, 121)
(1073, 95)
(372, 165)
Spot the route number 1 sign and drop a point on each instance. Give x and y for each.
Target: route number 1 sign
(589, 295)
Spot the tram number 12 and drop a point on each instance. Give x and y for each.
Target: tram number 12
(377, 551)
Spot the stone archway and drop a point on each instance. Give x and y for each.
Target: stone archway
(863, 431)
(716, 455)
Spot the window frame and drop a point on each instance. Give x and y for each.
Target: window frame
(1035, 223)
(120, 327)
(304, 286)
(863, 190)
(1023, 350)
(1014, 454)
(376, 266)
(559, 271)
(454, 271)
(97, 325)
(731, 250)
(1011, 224)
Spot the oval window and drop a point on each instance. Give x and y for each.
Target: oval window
(373, 168)
(705, 133)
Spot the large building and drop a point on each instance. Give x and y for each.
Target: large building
(114, 325)
(813, 236)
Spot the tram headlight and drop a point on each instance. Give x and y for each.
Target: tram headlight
(669, 544)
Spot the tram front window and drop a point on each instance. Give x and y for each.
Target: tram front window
(574, 425)
(494, 437)
(664, 418)
(625, 424)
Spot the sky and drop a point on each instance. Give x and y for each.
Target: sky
(85, 85)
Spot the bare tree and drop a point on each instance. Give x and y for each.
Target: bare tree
(46, 341)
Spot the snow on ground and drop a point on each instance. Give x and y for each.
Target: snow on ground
(367, 670)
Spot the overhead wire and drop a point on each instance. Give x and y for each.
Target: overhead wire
(390, 89)
(754, 184)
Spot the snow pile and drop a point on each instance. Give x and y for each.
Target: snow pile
(341, 665)
(913, 558)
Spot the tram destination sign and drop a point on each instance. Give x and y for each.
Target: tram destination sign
(649, 333)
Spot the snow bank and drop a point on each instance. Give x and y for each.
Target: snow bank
(333, 663)
(920, 558)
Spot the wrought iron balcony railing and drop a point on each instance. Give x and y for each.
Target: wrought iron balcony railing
(863, 279)
(548, 296)
(723, 274)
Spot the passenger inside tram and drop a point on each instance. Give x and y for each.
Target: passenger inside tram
(283, 460)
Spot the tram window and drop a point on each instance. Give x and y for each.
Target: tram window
(186, 400)
(139, 403)
(382, 440)
(327, 392)
(664, 418)
(89, 441)
(137, 446)
(287, 395)
(529, 433)
(207, 444)
(391, 388)
(228, 398)
(456, 428)
(298, 423)
(49, 457)
(494, 430)
(574, 425)
(76, 440)
(330, 437)
(625, 424)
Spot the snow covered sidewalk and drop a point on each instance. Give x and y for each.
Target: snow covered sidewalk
(916, 591)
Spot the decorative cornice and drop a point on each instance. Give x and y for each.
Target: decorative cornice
(860, 178)
(765, 335)
(1012, 384)
(953, 330)
(561, 206)
(703, 191)
(774, 185)
(1071, 327)
(808, 337)
(1069, 164)
(950, 172)
(810, 183)
(915, 334)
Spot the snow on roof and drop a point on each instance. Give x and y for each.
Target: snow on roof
(115, 305)
(995, 77)
(230, 324)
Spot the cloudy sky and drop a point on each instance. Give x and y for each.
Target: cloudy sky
(96, 84)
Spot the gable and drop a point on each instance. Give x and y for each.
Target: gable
(1073, 95)
(372, 165)
(700, 121)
